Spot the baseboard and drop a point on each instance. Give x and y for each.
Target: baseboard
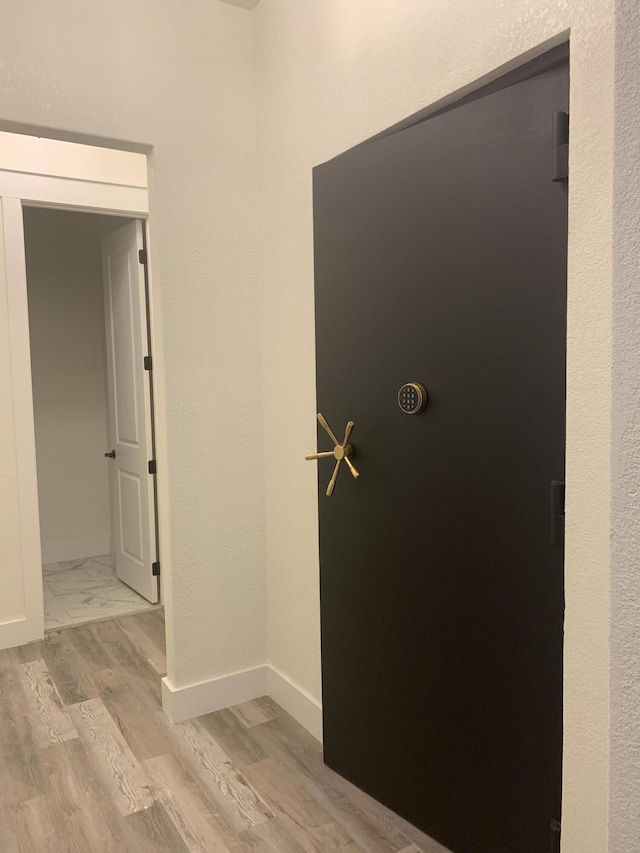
(77, 549)
(295, 701)
(14, 634)
(184, 703)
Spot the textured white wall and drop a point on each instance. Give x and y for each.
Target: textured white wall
(625, 622)
(328, 75)
(68, 365)
(177, 79)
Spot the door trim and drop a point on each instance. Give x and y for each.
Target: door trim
(16, 279)
(87, 196)
(18, 190)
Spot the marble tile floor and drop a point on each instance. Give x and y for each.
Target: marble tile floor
(78, 591)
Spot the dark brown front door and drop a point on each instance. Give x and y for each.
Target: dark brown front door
(441, 259)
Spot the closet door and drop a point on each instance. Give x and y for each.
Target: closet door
(132, 496)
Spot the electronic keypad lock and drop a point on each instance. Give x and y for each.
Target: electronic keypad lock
(412, 398)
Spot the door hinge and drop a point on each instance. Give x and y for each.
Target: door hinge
(142, 256)
(561, 147)
(148, 362)
(152, 466)
(555, 836)
(557, 512)
(155, 569)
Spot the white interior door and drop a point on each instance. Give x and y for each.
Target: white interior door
(129, 410)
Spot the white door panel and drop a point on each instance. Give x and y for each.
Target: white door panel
(122, 296)
(129, 410)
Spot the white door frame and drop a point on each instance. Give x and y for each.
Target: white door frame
(18, 190)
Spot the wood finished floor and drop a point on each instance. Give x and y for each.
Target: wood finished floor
(90, 763)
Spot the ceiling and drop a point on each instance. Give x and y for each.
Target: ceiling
(243, 4)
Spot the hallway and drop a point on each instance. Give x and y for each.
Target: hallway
(89, 763)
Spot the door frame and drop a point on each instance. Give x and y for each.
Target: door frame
(19, 190)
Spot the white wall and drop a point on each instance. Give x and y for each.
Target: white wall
(328, 75)
(625, 622)
(68, 363)
(175, 80)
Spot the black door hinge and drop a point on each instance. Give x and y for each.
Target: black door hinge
(561, 147)
(152, 466)
(557, 512)
(148, 362)
(142, 256)
(555, 836)
(155, 569)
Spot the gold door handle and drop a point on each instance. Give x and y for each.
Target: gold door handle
(341, 452)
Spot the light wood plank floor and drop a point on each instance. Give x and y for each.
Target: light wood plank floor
(89, 762)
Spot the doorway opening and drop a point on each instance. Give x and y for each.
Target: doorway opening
(92, 400)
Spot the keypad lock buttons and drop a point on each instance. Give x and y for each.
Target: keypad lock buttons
(412, 398)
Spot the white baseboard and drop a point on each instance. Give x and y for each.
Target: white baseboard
(295, 701)
(184, 703)
(96, 546)
(14, 634)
